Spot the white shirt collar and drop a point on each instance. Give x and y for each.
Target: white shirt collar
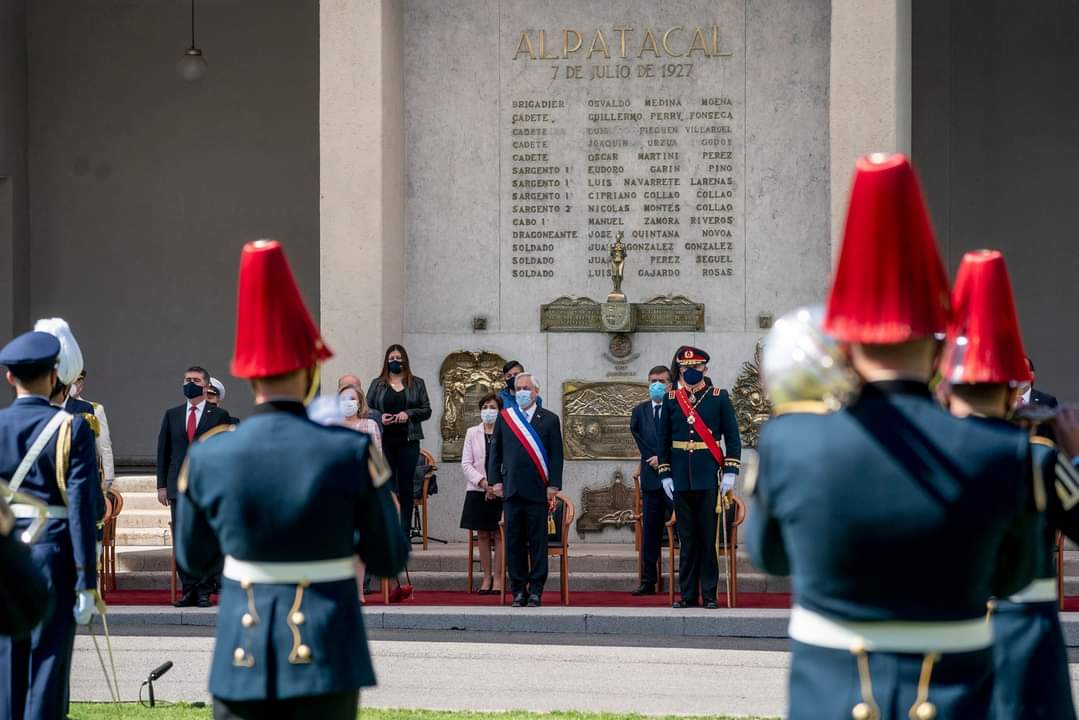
(656, 404)
(1026, 396)
(531, 412)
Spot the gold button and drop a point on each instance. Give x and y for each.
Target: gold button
(245, 583)
(238, 654)
(926, 711)
(862, 711)
(298, 618)
(303, 652)
(248, 620)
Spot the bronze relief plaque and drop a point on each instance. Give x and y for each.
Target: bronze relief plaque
(610, 506)
(466, 376)
(595, 417)
(750, 401)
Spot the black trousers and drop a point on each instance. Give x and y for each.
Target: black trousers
(338, 706)
(403, 458)
(191, 583)
(698, 570)
(656, 508)
(526, 544)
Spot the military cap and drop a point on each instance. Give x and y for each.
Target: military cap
(30, 348)
(689, 355)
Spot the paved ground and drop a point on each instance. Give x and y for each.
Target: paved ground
(441, 669)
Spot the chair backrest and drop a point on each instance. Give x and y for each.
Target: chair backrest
(568, 513)
(425, 484)
(740, 510)
(637, 492)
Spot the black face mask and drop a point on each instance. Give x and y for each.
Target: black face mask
(396, 366)
(191, 390)
(511, 383)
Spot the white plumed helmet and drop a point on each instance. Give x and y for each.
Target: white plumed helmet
(69, 362)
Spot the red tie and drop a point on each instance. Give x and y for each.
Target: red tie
(191, 425)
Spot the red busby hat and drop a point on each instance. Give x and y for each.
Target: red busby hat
(274, 331)
(688, 355)
(890, 285)
(984, 344)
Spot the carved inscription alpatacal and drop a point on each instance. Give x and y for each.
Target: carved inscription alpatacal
(596, 419)
(466, 376)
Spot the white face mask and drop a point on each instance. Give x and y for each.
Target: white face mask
(488, 415)
(349, 407)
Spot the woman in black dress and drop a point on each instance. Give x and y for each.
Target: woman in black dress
(483, 508)
(402, 399)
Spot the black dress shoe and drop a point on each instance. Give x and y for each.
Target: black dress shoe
(711, 605)
(644, 589)
(534, 601)
(682, 605)
(518, 600)
(204, 601)
(189, 599)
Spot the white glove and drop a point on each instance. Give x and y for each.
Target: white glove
(85, 607)
(668, 487)
(98, 550)
(727, 483)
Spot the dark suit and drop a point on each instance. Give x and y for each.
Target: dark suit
(891, 510)
(655, 505)
(525, 497)
(1037, 397)
(283, 489)
(34, 671)
(172, 444)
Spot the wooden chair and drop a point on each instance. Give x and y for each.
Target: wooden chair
(729, 553)
(560, 550)
(429, 460)
(114, 505)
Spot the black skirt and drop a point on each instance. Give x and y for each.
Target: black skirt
(480, 513)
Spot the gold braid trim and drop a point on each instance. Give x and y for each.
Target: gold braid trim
(63, 456)
(1039, 440)
(300, 653)
(868, 708)
(922, 709)
(93, 422)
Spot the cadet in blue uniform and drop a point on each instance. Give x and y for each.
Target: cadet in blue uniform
(895, 520)
(694, 419)
(285, 503)
(983, 367)
(59, 468)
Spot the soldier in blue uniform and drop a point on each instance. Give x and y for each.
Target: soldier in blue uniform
(984, 366)
(49, 455)
(694, 419)
(285, 503)
(895, 520)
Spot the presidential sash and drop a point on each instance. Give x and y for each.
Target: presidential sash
(699, 426)
(515, 419)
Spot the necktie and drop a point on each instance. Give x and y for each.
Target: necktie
(191, 425)
(655, 409)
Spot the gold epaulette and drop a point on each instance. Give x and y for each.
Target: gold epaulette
(1039, 440)
(717, 390)
(63, 456)
(802, 407)
(93, 422)
(181, 480)
(671, 394)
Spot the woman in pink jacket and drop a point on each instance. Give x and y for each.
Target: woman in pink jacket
(483, 508)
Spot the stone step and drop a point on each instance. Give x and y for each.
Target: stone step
(136, 483)
(139, 537)
(143, 501)
(143, 519)
(448, 581)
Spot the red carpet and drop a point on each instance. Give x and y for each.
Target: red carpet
(458, 599)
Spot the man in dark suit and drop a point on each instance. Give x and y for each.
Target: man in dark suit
(179, 428)
(1041, 400)
(526, 459)
(656, 496)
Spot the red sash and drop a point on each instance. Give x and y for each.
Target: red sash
(699, 426)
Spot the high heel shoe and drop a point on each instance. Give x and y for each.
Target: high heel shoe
(486, 590)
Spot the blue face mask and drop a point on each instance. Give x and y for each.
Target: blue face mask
(524, 398)
(657, 391)
(692, 376)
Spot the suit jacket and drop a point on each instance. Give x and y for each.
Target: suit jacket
(892, 509)
(1037, 397)
(172, 441)
(474, 457)
(510, 464)
(417, 404)
(74, 537)
(642, 423)
(281, 488)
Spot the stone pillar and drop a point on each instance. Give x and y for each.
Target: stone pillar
(870, 100)
(14, 221)
(361, 178)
